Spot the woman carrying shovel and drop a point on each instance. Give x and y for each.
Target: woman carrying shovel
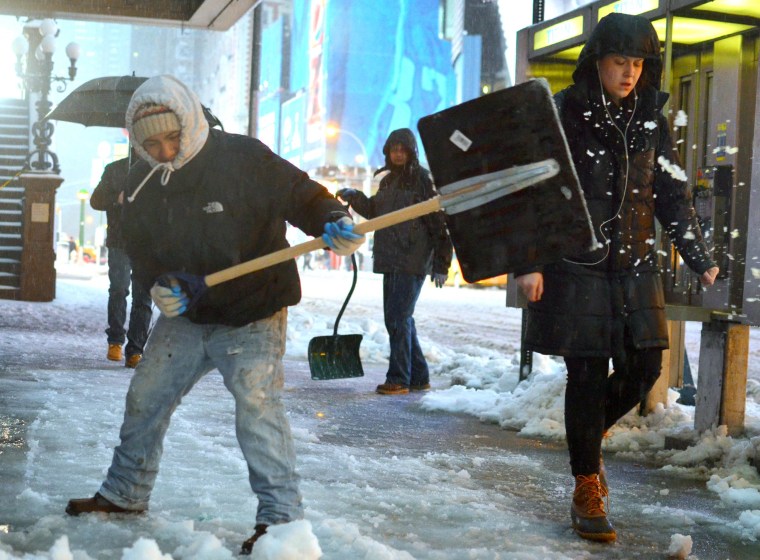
(404, 254)
(609, 303)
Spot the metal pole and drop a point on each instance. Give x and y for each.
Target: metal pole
(81, 223)
(253, 88)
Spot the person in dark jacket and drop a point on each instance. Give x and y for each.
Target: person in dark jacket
(201, 201)
(404, 254)
(609, 303)
(109, 196)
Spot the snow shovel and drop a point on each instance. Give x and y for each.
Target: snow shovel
(336, 356)
(454, 198)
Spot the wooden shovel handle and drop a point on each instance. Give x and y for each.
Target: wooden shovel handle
(386, 220)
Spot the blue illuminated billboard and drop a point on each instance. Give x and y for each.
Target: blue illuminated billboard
(369, 68)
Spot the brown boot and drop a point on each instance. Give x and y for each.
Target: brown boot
(258, 531)
(392, 389)
(96, 504)
(423, 387)
(587, 511)
(133, 360)
(114, 352)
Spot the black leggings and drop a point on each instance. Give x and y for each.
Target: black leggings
(595, 400)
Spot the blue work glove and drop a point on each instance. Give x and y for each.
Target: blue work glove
(340, 236)
(345, 194)
(439, 279)
(172, 301)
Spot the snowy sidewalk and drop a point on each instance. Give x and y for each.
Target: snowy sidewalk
(409, 477)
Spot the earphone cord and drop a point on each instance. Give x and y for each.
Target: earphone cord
(624, 135)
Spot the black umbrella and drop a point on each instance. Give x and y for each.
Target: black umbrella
(99, 102)
(104, 101)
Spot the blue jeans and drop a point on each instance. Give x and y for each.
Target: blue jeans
(179, 353)
(119, 276)
(407, 365)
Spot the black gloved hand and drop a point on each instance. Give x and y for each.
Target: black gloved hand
(345, 194)
(439, 279)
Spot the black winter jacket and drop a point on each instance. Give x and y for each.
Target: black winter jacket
(418, 246)
(229, 204)
(595, 303)
(106, 197)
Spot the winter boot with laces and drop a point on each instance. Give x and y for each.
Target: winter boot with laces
(392, 389)
(587, 510)
(133, 360)
(258, 532)
(114, 353)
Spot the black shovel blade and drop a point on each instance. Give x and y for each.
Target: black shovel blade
(529, 227)
(335, 357)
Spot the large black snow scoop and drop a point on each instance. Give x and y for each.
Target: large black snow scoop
(484, 137)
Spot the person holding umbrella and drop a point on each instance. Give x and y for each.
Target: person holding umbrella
(201, 201)
(608, 303)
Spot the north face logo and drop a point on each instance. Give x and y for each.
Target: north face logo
(213, 208)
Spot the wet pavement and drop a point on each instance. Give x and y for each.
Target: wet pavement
(521, 485)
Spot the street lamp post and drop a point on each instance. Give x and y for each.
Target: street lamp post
(83, 195)
(331, 131)
(34, 65)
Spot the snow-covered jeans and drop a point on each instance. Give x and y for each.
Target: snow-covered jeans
(178, 354)
(406, 365)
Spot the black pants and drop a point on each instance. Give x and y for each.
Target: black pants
(595, 400)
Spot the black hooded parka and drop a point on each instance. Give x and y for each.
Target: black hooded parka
(594, 302)
(418, 246)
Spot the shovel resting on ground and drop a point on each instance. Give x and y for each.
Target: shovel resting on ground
(455, 198)
(336, 356)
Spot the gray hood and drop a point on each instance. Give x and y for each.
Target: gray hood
(169, 91)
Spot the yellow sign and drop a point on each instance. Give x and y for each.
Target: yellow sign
(750, 8)
(631, 7)
(558, 32)
(689, 31)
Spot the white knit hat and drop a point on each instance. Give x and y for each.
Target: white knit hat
(151, 119)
